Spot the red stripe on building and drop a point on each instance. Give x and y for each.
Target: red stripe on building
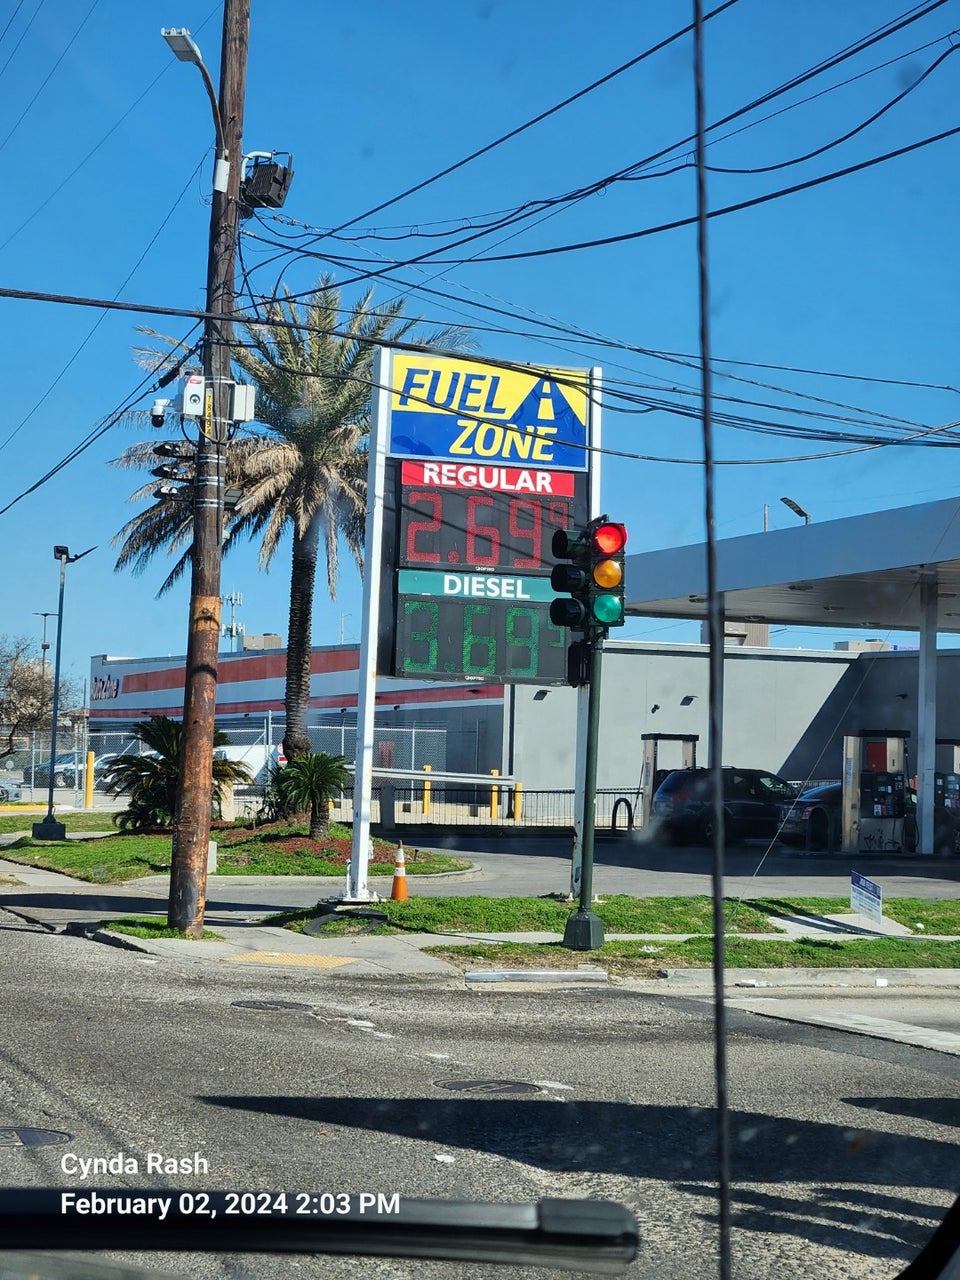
(408, 697)
(271, 666)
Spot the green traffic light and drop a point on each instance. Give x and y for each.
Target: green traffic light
(608, 609)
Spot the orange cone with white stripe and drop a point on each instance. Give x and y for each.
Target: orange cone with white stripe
(399, 891)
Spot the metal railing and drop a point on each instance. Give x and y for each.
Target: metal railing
(497, 804)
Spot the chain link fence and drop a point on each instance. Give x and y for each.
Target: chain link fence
(422, 750)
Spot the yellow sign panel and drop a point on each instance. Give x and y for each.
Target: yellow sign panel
(447, 407)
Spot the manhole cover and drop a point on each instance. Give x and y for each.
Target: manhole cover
(270, 1004)
(26, 1137)
(488, 1086)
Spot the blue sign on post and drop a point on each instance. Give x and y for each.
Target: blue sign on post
(866, 897)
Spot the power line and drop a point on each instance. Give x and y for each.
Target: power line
(91, 438)
(509, 309)
(713, 213)
(100, 319)
(23, 33)
(50, 74)
(585, 337)
(880, 33)
(10, 20)
(96, 147)
(496, 218)
(422, 347)
(537, 119)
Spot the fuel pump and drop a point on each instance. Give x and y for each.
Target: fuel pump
(946, 797)
(875, 796)
(653, 774)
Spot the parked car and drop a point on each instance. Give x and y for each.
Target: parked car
(813, 821)
(9, 791)
(813, 818)
(65, 770)
(752, 804)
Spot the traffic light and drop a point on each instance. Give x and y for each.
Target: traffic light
(571, 611)
(593, 579)
(607, 541)
(180, 453)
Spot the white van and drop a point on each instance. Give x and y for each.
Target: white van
(258, 758)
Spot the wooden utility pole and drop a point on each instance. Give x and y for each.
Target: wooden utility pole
(191, 834)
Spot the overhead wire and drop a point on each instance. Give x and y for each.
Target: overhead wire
(921, 436)
(49, 76)
(677, 223)
(100, 319)
(849, 51)
(96, 147)
(887, 421)
(594, 339)
(105, 425)
(526, 367)
(496, 218)
(10, 20)
(23, 34)
(537, 119)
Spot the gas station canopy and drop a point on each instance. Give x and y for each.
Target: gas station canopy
(861, 571)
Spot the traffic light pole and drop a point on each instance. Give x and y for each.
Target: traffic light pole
(584, 929)
(191, 830)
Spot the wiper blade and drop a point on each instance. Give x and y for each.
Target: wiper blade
(596, 1236)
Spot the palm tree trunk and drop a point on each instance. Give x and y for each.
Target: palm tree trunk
(296, 740)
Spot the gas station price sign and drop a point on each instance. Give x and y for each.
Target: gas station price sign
(494, 519)
(473, 556)
(484, 464)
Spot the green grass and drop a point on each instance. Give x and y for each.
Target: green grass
(101, 820)
(285, 851)
(637, 959)
(934, 916)
(152, 927)
(619, 913)
(109, 860)
(118, 857)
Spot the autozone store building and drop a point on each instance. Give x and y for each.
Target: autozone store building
(449, 727)
(528, 732)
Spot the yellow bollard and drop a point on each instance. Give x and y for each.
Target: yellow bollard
(88, 782)
(518, 802)
(427, 768)
(494, 796)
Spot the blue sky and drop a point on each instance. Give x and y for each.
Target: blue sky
(106, 144)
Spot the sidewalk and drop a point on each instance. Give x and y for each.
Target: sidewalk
(61, 904)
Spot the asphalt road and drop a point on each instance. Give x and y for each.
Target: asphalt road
(845, 1148)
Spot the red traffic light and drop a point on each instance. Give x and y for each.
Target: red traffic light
(608, 539)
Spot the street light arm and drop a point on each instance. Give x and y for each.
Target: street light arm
(222, 153)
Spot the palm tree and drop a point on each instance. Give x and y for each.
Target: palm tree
(150, 779)
(312, 370)
(309, 783)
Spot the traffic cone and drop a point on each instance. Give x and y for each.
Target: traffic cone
(399, 891)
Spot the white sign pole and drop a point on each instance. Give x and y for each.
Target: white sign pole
(357, 889)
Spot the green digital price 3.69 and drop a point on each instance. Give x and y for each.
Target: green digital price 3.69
(448, 638)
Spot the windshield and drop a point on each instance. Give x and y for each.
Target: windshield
(359, 592)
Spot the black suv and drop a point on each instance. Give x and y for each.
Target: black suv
(752, 801)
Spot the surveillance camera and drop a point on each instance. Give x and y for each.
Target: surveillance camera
(158, 412)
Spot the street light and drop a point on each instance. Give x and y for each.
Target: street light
(49, 828)
(796, 508)
(185, 47)
(44, 646)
